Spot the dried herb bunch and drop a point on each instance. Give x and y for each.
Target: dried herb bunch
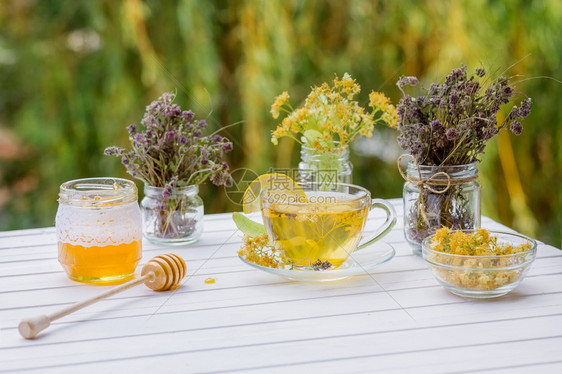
(168, 153)
(445, 131)
(452, 122)
(171, 151)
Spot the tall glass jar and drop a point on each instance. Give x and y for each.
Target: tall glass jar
(99, 230)
(325, 167)
(172, 217)
(452, 202)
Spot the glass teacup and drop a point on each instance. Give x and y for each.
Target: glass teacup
(326, 225)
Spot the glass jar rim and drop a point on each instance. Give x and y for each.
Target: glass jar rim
(307, 148)
(154, 191)
(454, 171)
(98, 191)
(460, 166)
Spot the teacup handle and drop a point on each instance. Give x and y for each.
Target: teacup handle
(385, 227)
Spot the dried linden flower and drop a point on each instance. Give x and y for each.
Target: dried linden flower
(482, 270)
(260, 251)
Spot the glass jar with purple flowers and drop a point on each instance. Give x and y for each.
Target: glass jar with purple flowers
(437, 196)
(172, 216)
(444, 132)
(171, 155)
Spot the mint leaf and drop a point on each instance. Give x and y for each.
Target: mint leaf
(312, 135)
(247, 226)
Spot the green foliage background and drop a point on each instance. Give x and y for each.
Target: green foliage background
(75, 73)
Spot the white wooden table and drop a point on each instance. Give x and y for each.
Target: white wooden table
(396, 320)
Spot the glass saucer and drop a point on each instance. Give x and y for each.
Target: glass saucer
(357, 263)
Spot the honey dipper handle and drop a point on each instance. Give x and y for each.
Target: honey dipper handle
(30, 327)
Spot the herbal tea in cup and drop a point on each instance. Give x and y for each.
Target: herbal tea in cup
(324, 225)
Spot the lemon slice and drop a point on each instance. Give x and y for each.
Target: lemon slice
(277, 185)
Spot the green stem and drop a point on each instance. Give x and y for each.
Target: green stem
(454, 150)
(226, 127)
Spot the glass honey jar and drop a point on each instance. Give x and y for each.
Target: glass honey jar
(99, 230)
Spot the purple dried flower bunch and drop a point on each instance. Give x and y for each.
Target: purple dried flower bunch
(171, 151)
(452, 122)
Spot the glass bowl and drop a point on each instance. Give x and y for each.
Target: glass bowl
(481, 276)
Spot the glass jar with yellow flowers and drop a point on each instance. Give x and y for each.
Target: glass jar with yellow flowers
(325, 125)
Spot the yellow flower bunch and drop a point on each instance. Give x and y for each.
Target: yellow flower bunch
(278, 103)
(381, 103)
(330, 117)
(258, 250)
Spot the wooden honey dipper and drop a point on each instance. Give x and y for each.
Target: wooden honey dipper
(161, 273)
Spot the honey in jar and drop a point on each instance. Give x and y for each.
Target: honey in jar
(99, 230)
